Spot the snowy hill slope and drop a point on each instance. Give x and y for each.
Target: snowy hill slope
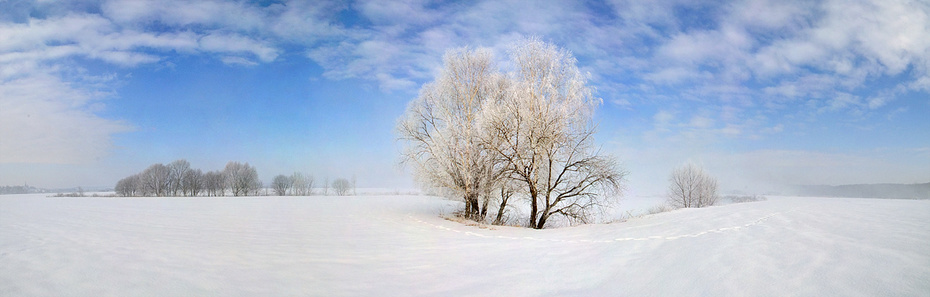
(398, 246)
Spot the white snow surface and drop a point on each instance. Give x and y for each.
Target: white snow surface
(399, 246)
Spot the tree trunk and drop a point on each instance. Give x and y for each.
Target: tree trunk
(467, 206)
(500, 211)
(542, 222)
(484, 208)
(543, 217)
(472, 211)
(533, 209)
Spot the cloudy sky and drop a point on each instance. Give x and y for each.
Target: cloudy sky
(762, 93)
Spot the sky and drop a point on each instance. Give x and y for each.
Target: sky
(762, 94)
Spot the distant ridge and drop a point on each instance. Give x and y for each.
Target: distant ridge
(893, 191)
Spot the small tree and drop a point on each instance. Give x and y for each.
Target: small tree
(354, 189)
(341, 186)
(281, 184)
(326, 186)
(691, 186)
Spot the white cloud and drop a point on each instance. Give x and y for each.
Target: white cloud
(663, 119)
(228, 14)
(701, 122)
(234, 60)
(221, 43)
(771, 54)
(45, 120)
(740, 59)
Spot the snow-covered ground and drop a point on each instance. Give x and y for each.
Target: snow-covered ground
(399, 246)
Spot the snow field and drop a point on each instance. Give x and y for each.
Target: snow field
(399, 246)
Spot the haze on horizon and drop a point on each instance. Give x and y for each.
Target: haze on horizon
(764, 94)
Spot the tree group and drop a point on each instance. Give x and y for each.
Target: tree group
(179, 179)
(296, 184)
(484, 135)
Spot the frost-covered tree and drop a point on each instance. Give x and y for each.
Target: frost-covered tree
(326, 186)
(129, 186)
(155, 180)
(302, 185)
(176, 172)
(214, 183)
(442, 132)
(353, 185)
(542, 133)
(192, 182)
(281, 184)
(475, 132)
(341, 186)
(691, 186)
(241, 179)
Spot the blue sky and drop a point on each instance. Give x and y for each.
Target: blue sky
(762, 93)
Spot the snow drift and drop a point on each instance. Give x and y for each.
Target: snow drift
(399, 246)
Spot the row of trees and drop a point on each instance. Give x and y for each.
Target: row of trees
(179, 179)
(299, 185)
(238, 179)
(487, 136)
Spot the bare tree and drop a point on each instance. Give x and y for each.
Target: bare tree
(301, 185)
(214, 183)
(353, 186)
(341, 186)
(442, 132)
(129, 186)
(542, 133)
(506, 189)
(307, 185)
(281, 184)
(176, 172)
(241, 179)
(326, 186)
(156, 180)
(192, 182)
(691, 186)
(256, 188)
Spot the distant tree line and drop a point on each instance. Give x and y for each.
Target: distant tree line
(299, 185)
(236, 179)
(179, 179)
(24, 189)
(894, 191)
